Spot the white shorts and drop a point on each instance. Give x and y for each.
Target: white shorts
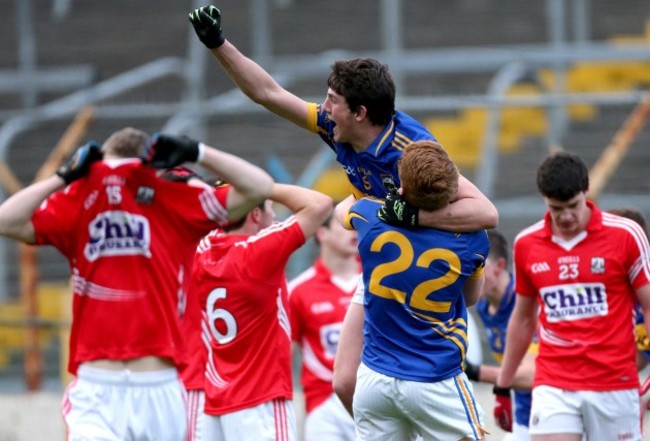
(271, 421)
(386, 408)
(122, 405)
(195, 414)
(329, 422)
(519, 433)
(604, 415)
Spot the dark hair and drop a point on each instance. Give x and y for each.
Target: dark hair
(498, 244)
(562, 176)
(429, 178)
(365, 82)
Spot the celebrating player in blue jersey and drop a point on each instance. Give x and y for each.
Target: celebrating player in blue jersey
(419, 283)
(358, 120)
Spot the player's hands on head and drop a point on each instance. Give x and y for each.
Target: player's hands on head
(396, 211)
(167, 151)
(79, 163)
(207, 25)
(503, 407)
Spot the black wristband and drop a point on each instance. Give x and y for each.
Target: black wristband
(473, 371)
(501, 391)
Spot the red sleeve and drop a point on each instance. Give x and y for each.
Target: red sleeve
(523, 284)
(296, 311)
(53, 223)
(272, 247)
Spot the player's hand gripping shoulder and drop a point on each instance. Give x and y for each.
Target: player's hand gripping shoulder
(79, 164)
(207, 25)
(396, 211)
(167, 151)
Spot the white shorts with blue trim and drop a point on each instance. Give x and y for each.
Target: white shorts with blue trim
(387, 408)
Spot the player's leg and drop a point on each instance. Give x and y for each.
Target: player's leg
(612, 414)
(376, 415)
(444, 409)
(155, 403)
(274, 420)
(329, 422)
(555, 415)
(89, 410)
(211, 428)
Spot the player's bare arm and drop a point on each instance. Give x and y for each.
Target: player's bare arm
(310, 207)
(523, 379)
(348, 355)
(249, 76)
(471, 211)
(16, 212)
(521, 329)
(250, 184)
(472, 290)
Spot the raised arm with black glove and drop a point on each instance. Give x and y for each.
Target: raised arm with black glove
(207, 25)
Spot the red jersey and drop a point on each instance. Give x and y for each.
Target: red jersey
(318, 302)
(242, 286)
(127, 235)
(193, 372)
(585, 291)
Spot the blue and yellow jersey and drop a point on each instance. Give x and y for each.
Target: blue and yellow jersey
(374, 171)
(415, 325)
(642, 340)
(496, 326)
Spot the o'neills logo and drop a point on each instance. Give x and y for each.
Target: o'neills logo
(118, 233)
(574, 301)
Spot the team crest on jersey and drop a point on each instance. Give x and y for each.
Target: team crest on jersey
(118, 233)
(388, 182)
(329, 338)
(597, 265)
(574, 301)
(144, 195)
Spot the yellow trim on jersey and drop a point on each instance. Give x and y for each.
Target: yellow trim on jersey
(347, 222)
(448, 329)
(358, 194)
(386, 134)
(312, 117)
(400, 141)
(478, 273)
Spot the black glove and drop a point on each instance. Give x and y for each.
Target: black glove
(396, 211)
(79, 164)
(167, 151)
(473, 371)
(207, 25)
